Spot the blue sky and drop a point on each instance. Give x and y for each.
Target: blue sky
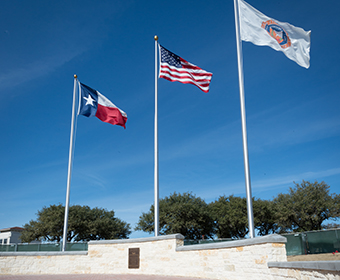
(293, 116)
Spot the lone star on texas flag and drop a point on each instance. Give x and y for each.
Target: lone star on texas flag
(89, 100)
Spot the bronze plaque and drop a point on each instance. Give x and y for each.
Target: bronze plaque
(133, 257)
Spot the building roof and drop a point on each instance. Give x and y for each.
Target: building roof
(12, 229)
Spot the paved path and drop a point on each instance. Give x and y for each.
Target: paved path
(94, 277)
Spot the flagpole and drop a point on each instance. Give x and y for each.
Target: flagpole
(70, 157)
(156, 179)
(244, 128)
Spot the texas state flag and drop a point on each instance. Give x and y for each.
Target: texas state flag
(92, 103)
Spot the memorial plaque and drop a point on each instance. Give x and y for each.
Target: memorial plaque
(133, 257)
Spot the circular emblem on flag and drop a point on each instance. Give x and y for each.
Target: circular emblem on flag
(277, 32)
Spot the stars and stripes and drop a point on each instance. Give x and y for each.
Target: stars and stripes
(175, 68)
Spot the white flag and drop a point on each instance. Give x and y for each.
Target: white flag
(261, 30)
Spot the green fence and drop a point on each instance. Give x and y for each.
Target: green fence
(313, 242)
(42, 247)
(204, 241)
(303, 243)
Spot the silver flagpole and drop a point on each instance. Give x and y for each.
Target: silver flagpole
(70, 156)
(244, 128)
(156, 180)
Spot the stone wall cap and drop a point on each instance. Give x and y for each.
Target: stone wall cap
(40, 253)
(311, 265)
(137, 240)
(273, 238)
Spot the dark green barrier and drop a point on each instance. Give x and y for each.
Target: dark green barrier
(43, 247)
(28, 247)
(295, 244)
(204, 241)
(76, 247)
(313, 242)
(323, 241)
(7, 248)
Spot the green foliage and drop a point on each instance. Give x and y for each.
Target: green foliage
(49, 225)
(84, 224)
(264, 216)
(230, 216)
(179, 213)
(306, 207)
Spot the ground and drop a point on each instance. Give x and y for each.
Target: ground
(315, 257)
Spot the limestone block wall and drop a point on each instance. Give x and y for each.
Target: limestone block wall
(309, 270)
(166, 255)
(257, 258)
(243, 260)
(43, 263)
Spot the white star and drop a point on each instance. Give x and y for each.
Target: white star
(89, 100)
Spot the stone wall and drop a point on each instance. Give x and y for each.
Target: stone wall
(257, 258)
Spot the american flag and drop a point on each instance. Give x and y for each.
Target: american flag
(175, 68)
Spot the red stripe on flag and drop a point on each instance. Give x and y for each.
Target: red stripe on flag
(166, 68)
(110, 115)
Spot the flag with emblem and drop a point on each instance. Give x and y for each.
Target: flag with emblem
(92, 103)
(261, 30)
(174, 68)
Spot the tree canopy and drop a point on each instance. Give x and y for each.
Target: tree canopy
(264, 216)
(84, 224)
(179, 213)
(306, 207)
(230, 216)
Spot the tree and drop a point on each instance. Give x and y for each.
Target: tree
(264, 217)
(306, 207)
(230, 216)
(84, 224)
(179, 213)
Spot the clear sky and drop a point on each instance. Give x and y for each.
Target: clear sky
(293, 116)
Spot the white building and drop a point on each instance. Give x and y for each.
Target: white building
(10, 235)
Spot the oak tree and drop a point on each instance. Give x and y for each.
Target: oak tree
(306, 207)
(84, 224)
(179, 213)
(230, 216)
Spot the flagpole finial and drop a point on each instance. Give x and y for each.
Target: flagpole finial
(156, 38)
(75, 76)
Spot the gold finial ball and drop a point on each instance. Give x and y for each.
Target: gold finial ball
(156, 37)
(75, 76)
